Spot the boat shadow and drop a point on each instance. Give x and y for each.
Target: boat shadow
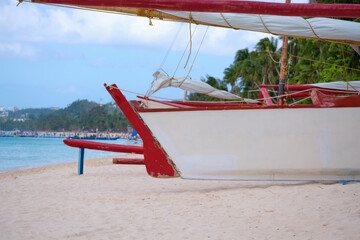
(238, 185)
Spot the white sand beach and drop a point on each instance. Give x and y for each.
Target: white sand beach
(123, 202)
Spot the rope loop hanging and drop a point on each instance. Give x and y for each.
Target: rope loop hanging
(190, 21)
(202, 40)
(182, 56)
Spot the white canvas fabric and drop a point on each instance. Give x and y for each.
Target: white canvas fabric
(340, 85)
(317, 28)
(162, 80)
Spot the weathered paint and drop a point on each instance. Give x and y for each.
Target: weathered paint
(131, 161)
(156, 161)
(334, 101)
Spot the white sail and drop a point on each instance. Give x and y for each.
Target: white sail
(352, 85)
(326, 29)
(162, 80)
(314, 28)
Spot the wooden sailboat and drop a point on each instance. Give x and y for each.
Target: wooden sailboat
(256, 141)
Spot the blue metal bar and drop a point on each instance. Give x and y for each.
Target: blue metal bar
(81, 161)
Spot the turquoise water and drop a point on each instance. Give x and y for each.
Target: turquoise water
(21, 153)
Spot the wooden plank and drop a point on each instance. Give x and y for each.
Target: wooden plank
(131, 161)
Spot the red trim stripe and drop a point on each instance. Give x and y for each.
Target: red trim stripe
(226, 6)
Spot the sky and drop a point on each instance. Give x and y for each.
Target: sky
(51, 56)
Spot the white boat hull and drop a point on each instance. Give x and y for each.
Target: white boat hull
(261, 144)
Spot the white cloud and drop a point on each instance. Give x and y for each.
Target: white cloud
(32, 23)
(35, 23)
(17, 50)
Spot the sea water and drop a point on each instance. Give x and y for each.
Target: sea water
(25, 152)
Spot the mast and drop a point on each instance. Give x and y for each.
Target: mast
(283, 67)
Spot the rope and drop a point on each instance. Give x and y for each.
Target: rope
(266, 26)
(141, 94)
(150, 14)
(184, 52)
(299, 101)
(20, 1)
(233, 101)
(202, 40)
(353, 69)
(190, 19)
(312, 29)
(268, 51)
(308, 90)
(170, 47)
(228, 22)
(169, 99)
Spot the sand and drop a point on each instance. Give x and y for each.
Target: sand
(123, 202)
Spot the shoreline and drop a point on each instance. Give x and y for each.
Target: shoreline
(70, 134)
(42, 168)
(113, 201)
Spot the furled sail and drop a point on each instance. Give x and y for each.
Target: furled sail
(326, 29)
(313, 28)
(351, 85)
(162, 80)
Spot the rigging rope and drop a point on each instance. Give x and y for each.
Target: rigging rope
(353, 69)
(184, 52)
(202, 40)
(190, 20)
(308, 59)
(268, 51)
(234, 101)
(170, 47)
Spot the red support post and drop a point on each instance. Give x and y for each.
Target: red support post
(264, 93)
(156, 161)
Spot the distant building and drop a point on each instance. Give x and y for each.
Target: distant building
(19, 120)
(4, 113)
(12, 109)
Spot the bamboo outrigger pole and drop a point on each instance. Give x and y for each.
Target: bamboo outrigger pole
(283, 67)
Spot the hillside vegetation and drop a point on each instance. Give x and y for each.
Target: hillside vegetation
(80, 115)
